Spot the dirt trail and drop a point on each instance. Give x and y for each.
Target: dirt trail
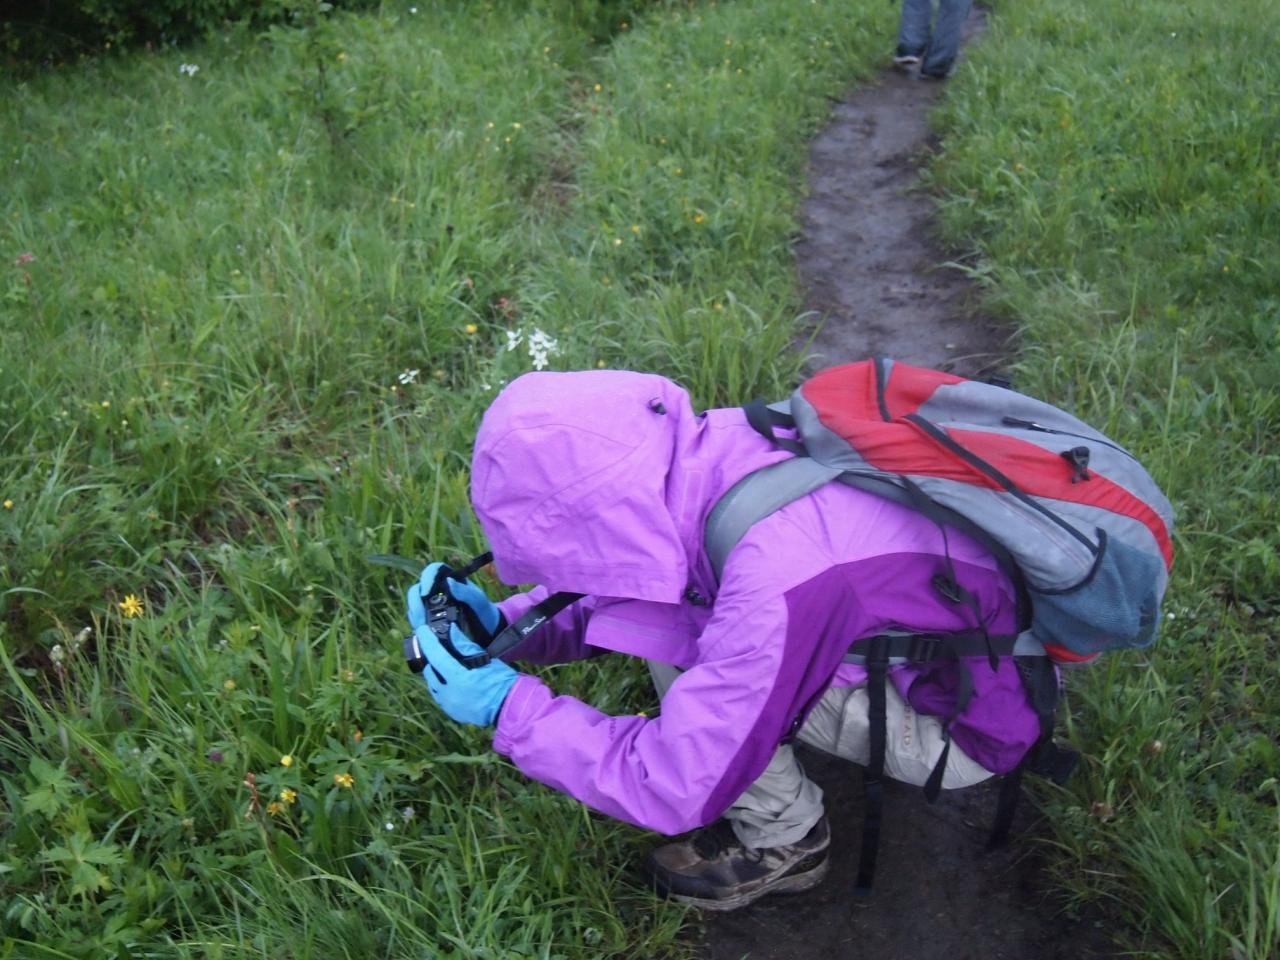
(867, 256)
(871, 267)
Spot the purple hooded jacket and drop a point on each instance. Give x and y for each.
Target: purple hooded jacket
(600, 483)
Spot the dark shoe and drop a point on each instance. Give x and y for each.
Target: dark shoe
(713, 870)
(906, 59)
(937, 77)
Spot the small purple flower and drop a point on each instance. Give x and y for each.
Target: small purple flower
(215, 756)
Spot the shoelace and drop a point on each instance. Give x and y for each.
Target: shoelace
(711, 841)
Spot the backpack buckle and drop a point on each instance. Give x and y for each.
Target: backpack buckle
(924, 648)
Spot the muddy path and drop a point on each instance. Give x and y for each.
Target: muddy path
(873, 270)
(867, 256)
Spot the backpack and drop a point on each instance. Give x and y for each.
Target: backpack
(1076, 523)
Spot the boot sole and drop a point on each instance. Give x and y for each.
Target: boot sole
(793, 883)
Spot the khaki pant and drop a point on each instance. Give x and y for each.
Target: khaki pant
(783, 804)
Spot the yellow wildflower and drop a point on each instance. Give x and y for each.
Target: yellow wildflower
(698, 218)
(8, 504)
(344, 780)
(357, 736)
(598, 88)
(228, 685)
(471, 328)
(288, 796)
(106, 404)
(635, 228)
(274, 809)
(617, 241)
(130, 606)
(341, 57)
(286, 760)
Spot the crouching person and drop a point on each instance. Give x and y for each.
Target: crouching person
(600, 483)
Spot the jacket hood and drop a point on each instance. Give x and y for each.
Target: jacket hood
(570, 482)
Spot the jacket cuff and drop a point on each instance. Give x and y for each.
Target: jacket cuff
(524, 698)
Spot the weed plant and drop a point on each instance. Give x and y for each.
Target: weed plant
(1118, 171)
(254, 296)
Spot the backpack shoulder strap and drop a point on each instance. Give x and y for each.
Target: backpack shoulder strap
(755, 497)
(764, 491)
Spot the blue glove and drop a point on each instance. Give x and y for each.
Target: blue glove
(470, 594)
(467, 696)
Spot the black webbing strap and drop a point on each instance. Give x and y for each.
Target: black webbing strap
(964, 693)
(764, 419)
(1040, 681)
(873, 778)
(921, 648)
(933, 786)
(516, 633)
(1006, 806)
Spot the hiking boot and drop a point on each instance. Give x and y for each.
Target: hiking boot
(714, 870)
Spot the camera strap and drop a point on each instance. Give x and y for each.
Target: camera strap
(516, 633)
(450, 612)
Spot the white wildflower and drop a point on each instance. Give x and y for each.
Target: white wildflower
(409, 376)
(389, 825)
(514, 338)
(189, 69)
(407, 813)
(57, 654)
(81, 639)
(541, 346)
(413, 9)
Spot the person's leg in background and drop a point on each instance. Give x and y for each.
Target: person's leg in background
(913, 31)
(940, 57)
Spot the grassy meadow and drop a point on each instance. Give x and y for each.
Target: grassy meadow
(251, 314)
(251, 311)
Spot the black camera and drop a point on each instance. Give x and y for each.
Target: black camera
(445, 612)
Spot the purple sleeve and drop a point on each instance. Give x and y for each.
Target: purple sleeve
(720, 723)
(559, 640)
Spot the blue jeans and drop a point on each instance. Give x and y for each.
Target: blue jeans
(939, 49)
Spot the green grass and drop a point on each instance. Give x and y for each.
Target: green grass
(1118, 172)
(201, 406)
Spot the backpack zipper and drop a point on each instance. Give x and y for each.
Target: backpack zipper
(1040, 428)
(942, 437)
